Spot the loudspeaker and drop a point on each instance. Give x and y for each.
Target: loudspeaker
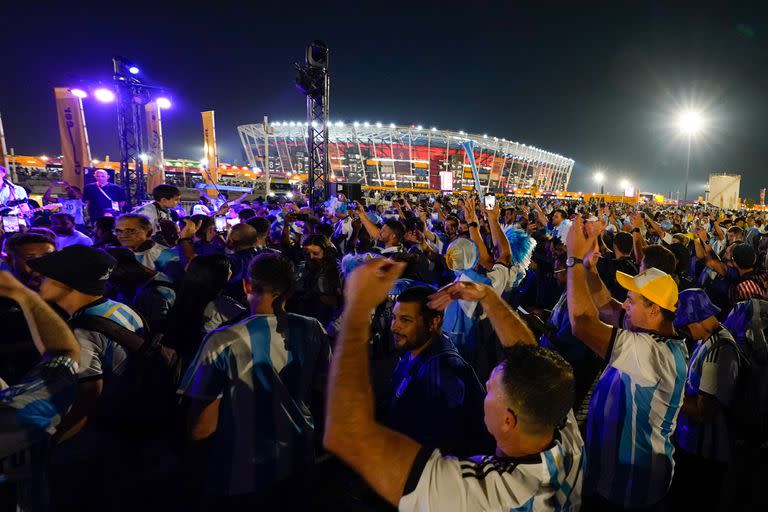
(352, 191)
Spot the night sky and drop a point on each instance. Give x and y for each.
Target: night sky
(599, 84)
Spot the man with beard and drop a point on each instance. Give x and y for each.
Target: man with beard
(318, 281)
(389, 237)
(63, 224)
(436, 397)
(23, 247)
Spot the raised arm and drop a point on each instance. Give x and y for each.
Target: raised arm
(582, 312)
(470, 214)
(50, 333)
(509, 327)
(369, 226)
(381, 456)
(497, 235)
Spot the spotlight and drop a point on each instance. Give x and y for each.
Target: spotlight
(104, 95)
(133, 70)
(163, 102)
(79, 93)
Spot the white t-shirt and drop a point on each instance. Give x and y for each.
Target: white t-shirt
(76, 238)
(550, 480)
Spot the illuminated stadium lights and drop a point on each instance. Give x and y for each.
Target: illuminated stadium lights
(163, 102)
(366, 124)
(94, 162)
(355, 124)
(339, 123)
(461, 132)
(203, 161)
(419, 127)
(292, 123)
(44, 158)
(133, 70)
(485, 135)
(434, 129)
(104, 95)
(690, 122)
(79, 93)
(392, 125)
(378, 125)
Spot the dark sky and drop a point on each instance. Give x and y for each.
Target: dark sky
(597, 83)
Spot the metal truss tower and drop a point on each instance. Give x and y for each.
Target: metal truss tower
(313, 81)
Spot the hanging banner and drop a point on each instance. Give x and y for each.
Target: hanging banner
(469, 147)
(74, 136)
(155, 166)
(211, 171)
(762, 197)
(3, 148)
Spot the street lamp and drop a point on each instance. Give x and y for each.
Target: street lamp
(689, 123)
(624, 184)
(599, 178)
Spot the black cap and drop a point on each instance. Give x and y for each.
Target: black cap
(82, 268)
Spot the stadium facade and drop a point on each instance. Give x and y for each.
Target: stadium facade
(408, 157)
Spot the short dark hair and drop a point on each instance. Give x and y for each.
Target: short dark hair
(17, 240)
(63, 215)
(623, 241)
(165, 191)
(421, 295)
(540, 385)
(397, 228)
(658, 256)
(736, 230)
(273, 270)
(104, 223)
(205, 222)
(246, 213)
(744, 256)
(260, 224)
(563, 213)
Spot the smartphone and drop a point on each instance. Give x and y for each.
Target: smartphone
(221, 224)
(11, 224)
(490, 202)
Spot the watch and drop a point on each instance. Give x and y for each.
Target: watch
(571, 261)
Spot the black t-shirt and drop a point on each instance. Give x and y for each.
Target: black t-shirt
(98, 201)
(607, 268)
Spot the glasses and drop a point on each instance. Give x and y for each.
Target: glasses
(126, 231)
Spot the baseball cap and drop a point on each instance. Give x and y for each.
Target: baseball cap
(653, 284)
(693, 306)
(82, 268)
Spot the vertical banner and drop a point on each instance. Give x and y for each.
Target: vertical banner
(211, 173)
(155, 167)
(469, 147)
(762, 197)
(3, 148)
(74, 136)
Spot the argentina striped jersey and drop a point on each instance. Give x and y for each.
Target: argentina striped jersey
(631, 418)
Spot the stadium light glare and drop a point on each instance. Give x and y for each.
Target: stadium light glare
(690, 122)
(355, 124)
(144, 157)
(434, 129)
(44, 158)
(485, 135)
(203, 161)
(163, 102)
(461, 132)
(133, 70)
(94, 162)
(599, 177)
(392, 125)
(624, 184)
(79, 93)
(419, 127)
(378, 124)
(104, 95)
(366, 124)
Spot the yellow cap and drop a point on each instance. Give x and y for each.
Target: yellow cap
(653, 284)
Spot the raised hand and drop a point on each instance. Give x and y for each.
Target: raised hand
(579, 243)
(190, 228)
(368, 285)
(460, 290)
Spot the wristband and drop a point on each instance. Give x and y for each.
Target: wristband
(473, 224)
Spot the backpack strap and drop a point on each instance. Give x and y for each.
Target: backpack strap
(129, 340)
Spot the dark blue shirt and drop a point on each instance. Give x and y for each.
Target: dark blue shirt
(437, 400)
(98, 202)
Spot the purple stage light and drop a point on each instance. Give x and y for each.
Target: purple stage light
(79, 93)
(163, 102)
(133, 70)
(104, 95)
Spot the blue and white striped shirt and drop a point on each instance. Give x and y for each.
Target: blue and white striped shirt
(265, 375)
(631, 418)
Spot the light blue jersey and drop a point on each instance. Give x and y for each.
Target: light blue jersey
(631, 418)
(265, 375)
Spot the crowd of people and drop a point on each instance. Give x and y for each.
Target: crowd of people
(402, 350)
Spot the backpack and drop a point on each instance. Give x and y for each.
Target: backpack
(748, 323)
(147, 390)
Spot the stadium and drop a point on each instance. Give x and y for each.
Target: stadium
(408, 158)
